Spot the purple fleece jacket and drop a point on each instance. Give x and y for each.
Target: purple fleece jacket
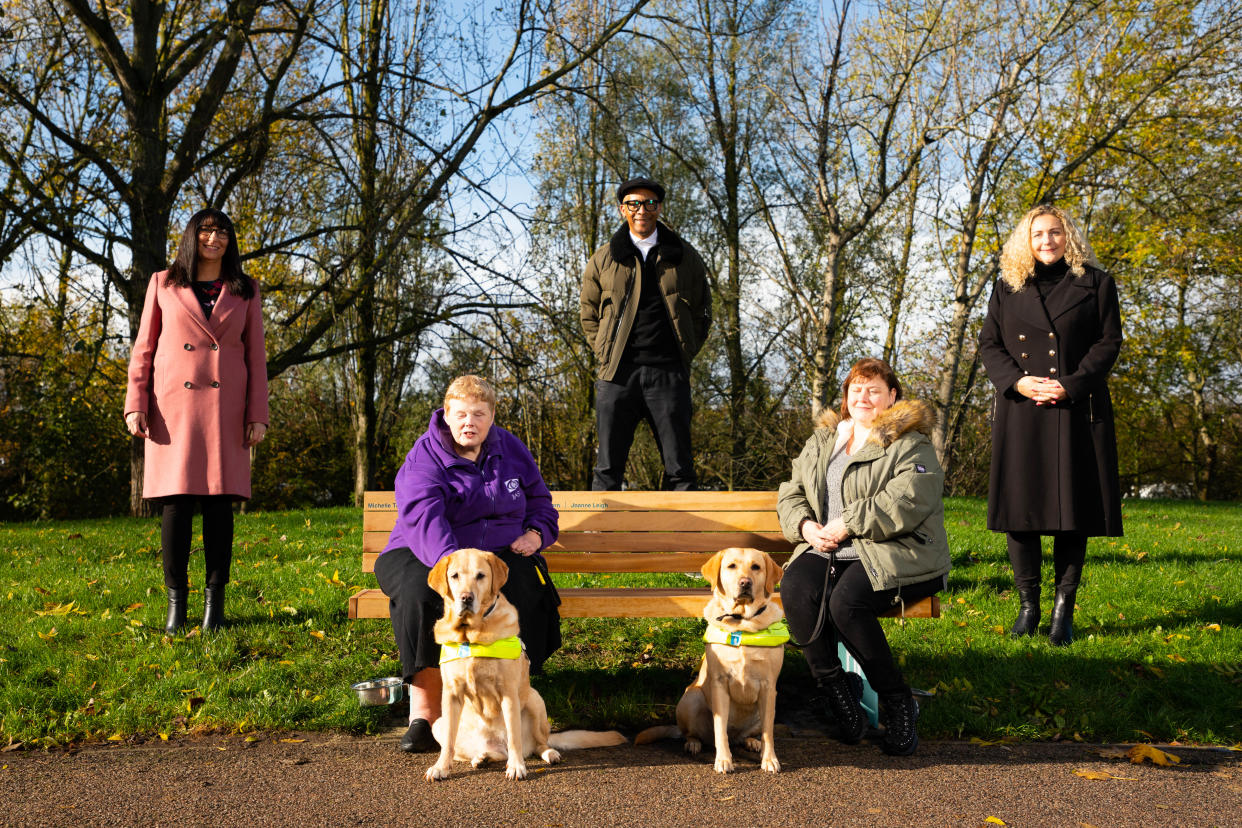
(446, 502)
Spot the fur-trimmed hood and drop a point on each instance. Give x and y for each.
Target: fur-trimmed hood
(902, 417)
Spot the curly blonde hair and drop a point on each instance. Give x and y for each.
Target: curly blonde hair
(470, 387)
(1018, 262)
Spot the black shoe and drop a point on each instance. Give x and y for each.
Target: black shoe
(1028, 613)
(1062, 632)
(213, 608)
(176, 611)
(418, 738)
(900, 712)
(843, 702)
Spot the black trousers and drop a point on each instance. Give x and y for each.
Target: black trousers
(852, 617)
(1069, 552)
(414, 607)
(176, 531)
(659, 395)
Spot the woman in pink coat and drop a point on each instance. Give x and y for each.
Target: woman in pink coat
(198, 395)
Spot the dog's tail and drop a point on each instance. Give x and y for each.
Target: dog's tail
(655, 734)
(582, 739)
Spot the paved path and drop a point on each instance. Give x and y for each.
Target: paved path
(326, 779)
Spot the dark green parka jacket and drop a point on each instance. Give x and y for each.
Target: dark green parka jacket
(608, 301)
(891, 495)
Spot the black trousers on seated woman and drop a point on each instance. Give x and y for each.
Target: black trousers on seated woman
(414, 607)
(852, 617)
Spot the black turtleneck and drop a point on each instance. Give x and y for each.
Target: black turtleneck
(1047, 276)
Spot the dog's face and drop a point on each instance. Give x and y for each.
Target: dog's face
(468, 580)
(742, 575)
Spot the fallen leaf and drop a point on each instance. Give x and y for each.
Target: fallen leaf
(317, 634)
(975, 740)
(1213, 627)
(1157, 756)
(995, 820)
(47, 636)
(293, 741)
(1089, 774)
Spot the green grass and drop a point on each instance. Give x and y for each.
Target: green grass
(83, 656)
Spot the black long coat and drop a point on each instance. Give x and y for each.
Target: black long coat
(1054, 467)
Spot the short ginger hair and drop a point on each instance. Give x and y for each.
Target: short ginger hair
(470, 387)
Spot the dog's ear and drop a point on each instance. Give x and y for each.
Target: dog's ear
(500, 572)
(774, 573)
(711, 569)
(437, 578)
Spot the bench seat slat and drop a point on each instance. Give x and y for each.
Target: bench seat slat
(698, 521)
(620, 603)
(614, 561)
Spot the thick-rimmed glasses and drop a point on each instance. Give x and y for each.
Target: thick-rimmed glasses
(649, 205)
(206, 233)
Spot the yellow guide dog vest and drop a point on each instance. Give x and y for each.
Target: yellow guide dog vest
(510, 647)
(772, 636)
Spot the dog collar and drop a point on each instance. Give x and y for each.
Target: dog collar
(773, 636)
(510, 647)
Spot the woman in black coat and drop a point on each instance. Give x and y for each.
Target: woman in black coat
(1051, 336)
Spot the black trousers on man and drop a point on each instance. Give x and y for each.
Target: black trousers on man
(655, 393)
(852, 617)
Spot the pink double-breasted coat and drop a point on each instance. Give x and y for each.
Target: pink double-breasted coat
(199, 381)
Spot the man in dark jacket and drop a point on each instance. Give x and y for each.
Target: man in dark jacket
(646, 308)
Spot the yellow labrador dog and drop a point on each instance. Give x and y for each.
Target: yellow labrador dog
(734, 696)
(489, 709)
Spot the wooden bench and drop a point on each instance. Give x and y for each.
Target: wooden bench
(608, 533)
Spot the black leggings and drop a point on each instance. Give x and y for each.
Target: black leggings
(176, 530)
(1069, 551)
(853, 618)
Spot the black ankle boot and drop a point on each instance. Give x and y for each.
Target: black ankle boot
(843, 703)
(213, 607)
(1062, 632)
(899, 712)
(176, 610)
(1028, 612)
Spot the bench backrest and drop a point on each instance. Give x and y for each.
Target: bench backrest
(630, 531)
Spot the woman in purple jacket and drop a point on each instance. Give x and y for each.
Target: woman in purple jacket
(467, 483)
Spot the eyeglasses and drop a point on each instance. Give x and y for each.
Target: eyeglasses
(649, 205)
(208, 232)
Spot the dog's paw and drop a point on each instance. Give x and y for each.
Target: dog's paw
(724, 764)
(435, 773)
(754, 745)
(770, 764)
(478, 761)
(551, 756)
(693, 746)
(515, 770)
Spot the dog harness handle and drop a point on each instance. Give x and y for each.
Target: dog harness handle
(510, 647)
(773, 636)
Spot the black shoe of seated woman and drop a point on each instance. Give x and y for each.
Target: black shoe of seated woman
(847, 711)
(418, 738)
(899, 712)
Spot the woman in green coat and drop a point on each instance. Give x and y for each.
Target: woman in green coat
(864, 504)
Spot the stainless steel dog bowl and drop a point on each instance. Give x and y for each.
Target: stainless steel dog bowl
(379, 691)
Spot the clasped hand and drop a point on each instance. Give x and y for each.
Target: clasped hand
(825, 538)
(528, 544)
(1042, 390)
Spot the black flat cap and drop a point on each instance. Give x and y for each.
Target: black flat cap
(641, 184)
